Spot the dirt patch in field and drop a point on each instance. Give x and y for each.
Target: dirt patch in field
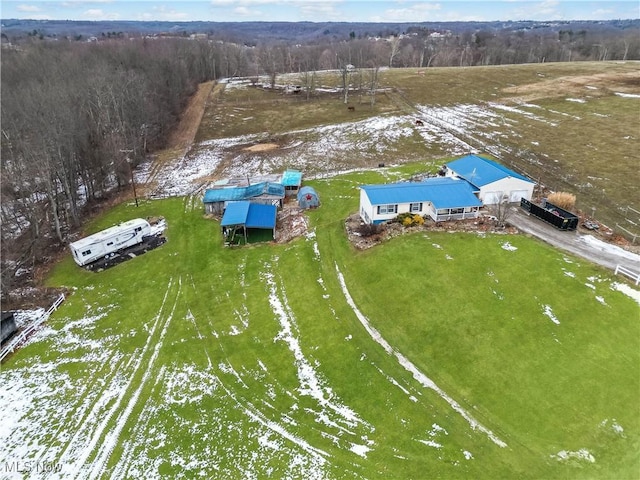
(594, 85)
(291, 222)
(262, 147)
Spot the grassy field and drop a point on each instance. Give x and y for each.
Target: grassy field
(433, 355)
(440, 355)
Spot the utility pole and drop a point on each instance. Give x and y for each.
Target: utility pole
(133, 183)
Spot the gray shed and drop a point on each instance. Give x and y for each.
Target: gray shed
(308, 198)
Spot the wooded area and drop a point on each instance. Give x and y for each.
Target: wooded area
(77, 117)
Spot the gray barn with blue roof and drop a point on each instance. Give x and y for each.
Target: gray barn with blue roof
(494, 183)
(439, 198)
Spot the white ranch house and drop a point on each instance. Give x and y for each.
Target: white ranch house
(439, 198)
(494, 183)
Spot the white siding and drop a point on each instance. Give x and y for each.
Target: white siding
(511, 187)
(366, 210)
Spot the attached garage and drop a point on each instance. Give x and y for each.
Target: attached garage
(517, 195)
(494, 183)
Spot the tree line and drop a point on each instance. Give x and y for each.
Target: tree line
(76, 117)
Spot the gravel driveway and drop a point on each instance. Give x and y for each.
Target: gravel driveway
(585, 246)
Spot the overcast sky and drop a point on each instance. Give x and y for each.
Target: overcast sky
(320, 10)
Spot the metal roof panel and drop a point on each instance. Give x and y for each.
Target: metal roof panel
(442, 192)
(482, 171)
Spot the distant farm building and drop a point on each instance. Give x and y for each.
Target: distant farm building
(308, 198)
(291, 181)
(246, 222)
(494, 183)
(439, 198)
(265, 193)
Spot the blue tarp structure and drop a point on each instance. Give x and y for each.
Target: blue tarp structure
(243, 193)
(291, 178)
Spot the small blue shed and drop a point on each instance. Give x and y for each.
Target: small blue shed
(291, 181)
(308, 198)
(255, 222)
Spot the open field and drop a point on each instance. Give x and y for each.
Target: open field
(447, 355)
(572, 127)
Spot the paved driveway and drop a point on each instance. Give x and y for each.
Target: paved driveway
(585, 246)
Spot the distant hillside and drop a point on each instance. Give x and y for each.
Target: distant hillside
(254, 32)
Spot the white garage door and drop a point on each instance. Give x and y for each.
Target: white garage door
(516, 195)
(491, 198)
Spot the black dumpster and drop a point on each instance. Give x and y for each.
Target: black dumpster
(550, 213)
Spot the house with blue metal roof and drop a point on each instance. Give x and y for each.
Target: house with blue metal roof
(440, 198)
(495, 183)
(244, 220)
(266, 193)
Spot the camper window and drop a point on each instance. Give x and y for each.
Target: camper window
(86, 252)
(138, 229)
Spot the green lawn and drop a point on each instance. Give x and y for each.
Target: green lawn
(195, 360)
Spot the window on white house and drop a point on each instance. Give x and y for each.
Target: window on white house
(386, 209)
(415, 207)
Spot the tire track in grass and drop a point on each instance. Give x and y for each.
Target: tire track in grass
(411, 368)
(256, 415)
(93, 432)
(109, 443)
(122, 469)
(332, 413)
(91, 398)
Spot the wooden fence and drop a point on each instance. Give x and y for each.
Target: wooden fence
(628, 273)
(22, 336)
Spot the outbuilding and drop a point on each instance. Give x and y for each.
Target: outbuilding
(439, 198)
(291, 181)
(308, 198)
(266, 193)
(493, 182)
(247, 222)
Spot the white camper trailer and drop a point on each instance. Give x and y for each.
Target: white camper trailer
(111, 240)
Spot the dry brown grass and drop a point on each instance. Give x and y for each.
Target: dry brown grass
(563, 200)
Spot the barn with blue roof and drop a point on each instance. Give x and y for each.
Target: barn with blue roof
(439, 198)
(246, 222)
(495, 183)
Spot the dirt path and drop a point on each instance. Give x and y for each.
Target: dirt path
(181, 139)
(574, 242)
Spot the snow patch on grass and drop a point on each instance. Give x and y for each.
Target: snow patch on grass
(507, 246)
(627, 95)
(546, 309)
(627, 290)
(581, 455)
